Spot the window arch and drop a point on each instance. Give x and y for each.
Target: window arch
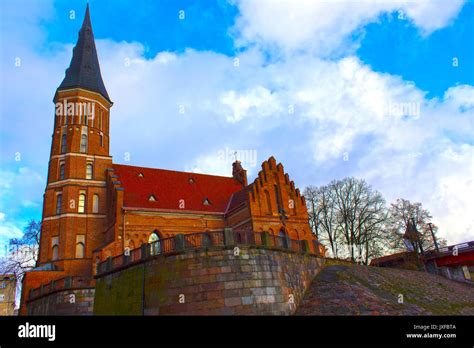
(95, 203)
(63, 143)
(269, 203)
(54, 248)
(80, 246)
(154, 241)
(89, 170)
(59, 202)
(82, 202)
(84, 143)
(62, 167)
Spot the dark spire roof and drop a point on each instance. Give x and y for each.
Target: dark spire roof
(84, 70)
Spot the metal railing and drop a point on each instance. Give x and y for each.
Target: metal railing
(61, 284)
(183, 242)
(205, 239)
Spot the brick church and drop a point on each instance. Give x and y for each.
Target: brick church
(94, 208)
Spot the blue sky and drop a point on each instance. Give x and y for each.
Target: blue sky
(340, 67)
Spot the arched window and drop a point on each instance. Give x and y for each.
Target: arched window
(82, 202)
(63, 143)
(80, 246)
(269, 204)
(154, 241)
(59, 202)
(54, 248)
(89, 169)
(95, 203)
(84, 143)
(61, 171)
(283, 241)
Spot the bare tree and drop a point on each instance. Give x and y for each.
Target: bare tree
(361, 215)
(401, 214)
(322, 215)
(350, 216)
(23, 252)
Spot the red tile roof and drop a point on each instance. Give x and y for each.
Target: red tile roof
(169, 187)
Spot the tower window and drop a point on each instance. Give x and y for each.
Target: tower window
(59, 201)
(100, 119)
(89, 169)
(63, 143)
(84, 143)
(54, 248)
(61, 171)
(80, 246)
(101, 139)
(95, 203)
(82, 202)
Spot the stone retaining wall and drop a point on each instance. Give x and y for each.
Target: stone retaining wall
(65, 302)
(209, 282)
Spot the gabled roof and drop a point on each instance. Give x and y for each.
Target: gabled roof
(170, 187)
(238, 198)
(84, 70)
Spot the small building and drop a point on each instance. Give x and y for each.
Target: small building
(7, 294)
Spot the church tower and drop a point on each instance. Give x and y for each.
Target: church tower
(75, 198)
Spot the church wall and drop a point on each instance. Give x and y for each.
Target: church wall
(140, 224)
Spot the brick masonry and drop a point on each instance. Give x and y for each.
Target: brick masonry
(209, 282)
(66, 302)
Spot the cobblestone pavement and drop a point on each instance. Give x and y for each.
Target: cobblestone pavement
(362, 290)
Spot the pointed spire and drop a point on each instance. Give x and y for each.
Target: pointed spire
(84, 70)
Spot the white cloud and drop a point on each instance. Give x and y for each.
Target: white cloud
(323, 26)
(338, 106)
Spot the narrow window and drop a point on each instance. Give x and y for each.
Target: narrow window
(82, 202)
(59, 201)
(95, 203)
(89, 169)
(278, 199)
(84, 143)
(269, 204)
(55, 248)
(100, 119)
(80, 246)
(101, 139)
(63, 143)
(61, 171)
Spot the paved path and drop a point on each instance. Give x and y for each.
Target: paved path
(361, 290)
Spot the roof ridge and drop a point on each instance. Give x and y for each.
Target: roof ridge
(176, 171)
